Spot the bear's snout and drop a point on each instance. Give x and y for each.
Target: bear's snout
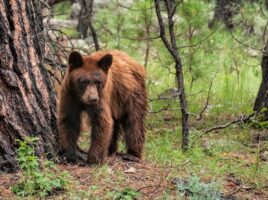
(93, 99)
(90, 97)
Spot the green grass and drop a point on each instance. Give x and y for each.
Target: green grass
(226, 155)
(70, 32)
(62, 10)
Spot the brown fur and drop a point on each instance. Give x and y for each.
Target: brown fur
(121, 102)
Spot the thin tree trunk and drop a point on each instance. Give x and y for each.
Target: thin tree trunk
(85, 22)
(148, 23)
(262, 97)
(173, 50)
(27, 98)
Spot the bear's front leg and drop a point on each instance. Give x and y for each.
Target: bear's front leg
(68, 124)
(102, 126)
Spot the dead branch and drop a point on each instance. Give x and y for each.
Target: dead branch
(242, 119)
(55, 77)
(55, 63)
(207, 101)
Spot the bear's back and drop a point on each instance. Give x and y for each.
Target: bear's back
(125, 78)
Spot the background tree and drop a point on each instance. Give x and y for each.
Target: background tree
(85, 22)
(27, 97)
(224, 11)
(173, 50)
(262, 97)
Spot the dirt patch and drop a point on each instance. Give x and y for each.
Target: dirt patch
(6, 181)
(148, 179)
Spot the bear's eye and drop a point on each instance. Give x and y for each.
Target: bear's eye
(82, 84)
(97, 83)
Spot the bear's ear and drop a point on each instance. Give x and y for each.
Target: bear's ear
(105, 62)
(75, 60)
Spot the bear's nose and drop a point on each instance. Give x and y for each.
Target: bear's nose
(93, 99)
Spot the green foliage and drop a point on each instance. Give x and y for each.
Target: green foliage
(193, 12)
(38, 177)
(126, 194)
(216, 156)
(198, 190)
(62, 10)
(259, 124)
(70, 32)
(260, 121)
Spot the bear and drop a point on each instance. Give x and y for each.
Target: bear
(110, 87)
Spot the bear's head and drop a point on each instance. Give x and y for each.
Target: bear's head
(88, 76)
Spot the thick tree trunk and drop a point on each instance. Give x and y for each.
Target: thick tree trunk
(262, 97)
(27, 98)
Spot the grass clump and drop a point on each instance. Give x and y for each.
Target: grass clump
(126, 194)
(198, 190)
(38, 177)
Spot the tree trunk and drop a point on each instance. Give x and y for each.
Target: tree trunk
(262, 97)
(85, 22)
(173, 50)
(27, 98)
(224, 11)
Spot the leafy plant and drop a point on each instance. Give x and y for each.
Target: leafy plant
(38, 177)
(198, 190)
(126, 194)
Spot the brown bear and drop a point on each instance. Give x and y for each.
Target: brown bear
(110, 87)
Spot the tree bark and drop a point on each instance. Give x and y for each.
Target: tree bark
(262, 97)
(27, 97)
(173, 50)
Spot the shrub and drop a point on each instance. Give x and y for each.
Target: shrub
(38, 177)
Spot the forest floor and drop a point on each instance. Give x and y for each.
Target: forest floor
(148, 180)
(227, 162)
